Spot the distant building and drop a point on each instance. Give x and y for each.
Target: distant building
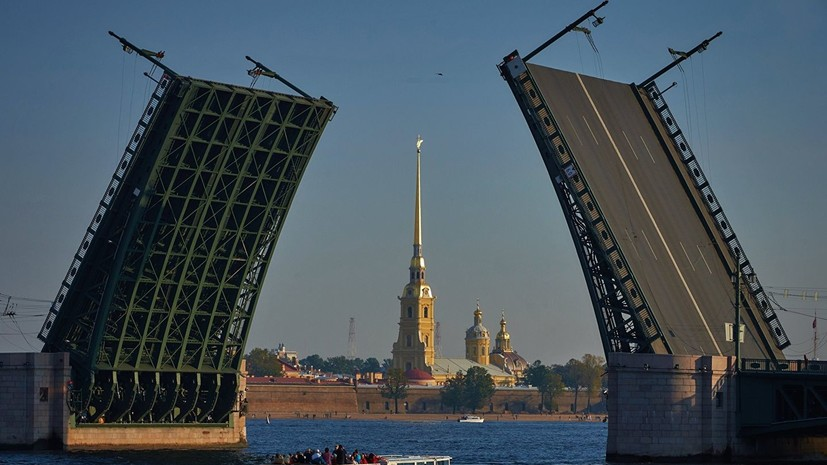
(289, 360)
(413, 351)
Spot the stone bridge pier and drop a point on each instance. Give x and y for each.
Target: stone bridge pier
(690, 408)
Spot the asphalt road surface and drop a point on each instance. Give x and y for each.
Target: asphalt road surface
(677, 259)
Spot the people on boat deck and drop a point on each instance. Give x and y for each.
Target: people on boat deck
(316, 458)
(340, 453)
(338, 456)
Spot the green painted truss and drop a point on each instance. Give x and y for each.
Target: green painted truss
(157, 304)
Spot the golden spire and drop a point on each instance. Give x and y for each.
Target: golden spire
(418, 261)
(418, 204)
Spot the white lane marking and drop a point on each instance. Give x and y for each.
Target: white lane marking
(649, 212)
(687, 256)
(630, 145)
(649, 244)
(647, 149)
(590, 130)
(704, 258)
(629, 236)
(575, 130)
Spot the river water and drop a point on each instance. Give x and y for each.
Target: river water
(511, 442)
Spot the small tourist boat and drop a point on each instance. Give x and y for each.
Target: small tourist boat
(470, 419)
(415, 460)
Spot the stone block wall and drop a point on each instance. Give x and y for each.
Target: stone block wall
(33, 399)
(300, 399)
(669, 406)
(115, 436)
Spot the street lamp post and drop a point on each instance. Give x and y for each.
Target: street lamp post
(736, 329)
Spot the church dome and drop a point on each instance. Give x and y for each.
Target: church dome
(478, 331)
(514, 363)
(415, 374)
(419, 377)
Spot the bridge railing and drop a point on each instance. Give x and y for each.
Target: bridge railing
(813, 367)
(722, 224)
(112, 189)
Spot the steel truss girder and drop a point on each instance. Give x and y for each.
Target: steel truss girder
(624, 318)
(157, 312)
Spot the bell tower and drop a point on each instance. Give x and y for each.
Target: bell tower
(414, 348)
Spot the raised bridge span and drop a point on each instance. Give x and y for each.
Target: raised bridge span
(665, 271)
(657, 251)
(159, 298)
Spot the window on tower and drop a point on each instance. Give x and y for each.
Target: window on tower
(410, 312)
(426, 312)
(426, 340)
(409, 340)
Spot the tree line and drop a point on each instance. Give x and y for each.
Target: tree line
(585, 374)
(473, 389)
(265, 362)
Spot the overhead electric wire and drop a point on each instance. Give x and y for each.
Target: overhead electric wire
(19, 329)
(16, 310)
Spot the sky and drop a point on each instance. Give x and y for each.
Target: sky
(752, 104)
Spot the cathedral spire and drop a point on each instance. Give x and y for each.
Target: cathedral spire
(418, 261)
(414, 348)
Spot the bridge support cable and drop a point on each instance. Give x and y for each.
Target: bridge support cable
(755, 302)
(681, 57)
(624, 318)
(596, 22)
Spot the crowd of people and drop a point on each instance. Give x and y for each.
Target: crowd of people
(338, 456)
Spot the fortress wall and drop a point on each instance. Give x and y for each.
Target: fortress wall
(320, 400)
(300, 399)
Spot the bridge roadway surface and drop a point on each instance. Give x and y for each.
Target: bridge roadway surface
(671, 253)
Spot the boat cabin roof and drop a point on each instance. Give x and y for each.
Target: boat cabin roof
(416, 460)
